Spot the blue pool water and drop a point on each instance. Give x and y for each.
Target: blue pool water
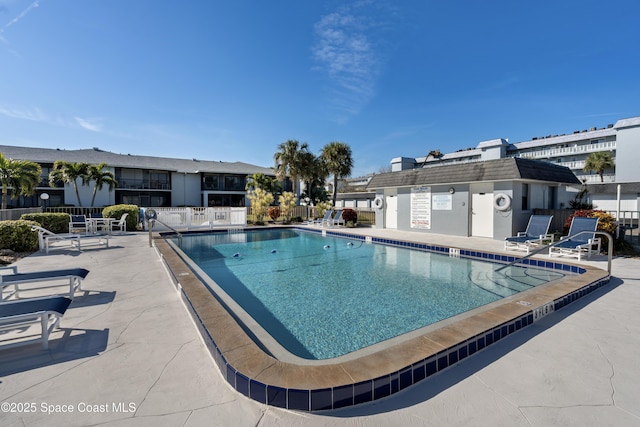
(323, 297)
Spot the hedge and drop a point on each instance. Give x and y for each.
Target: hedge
(17, 236)
(54, 222)
(116, 212)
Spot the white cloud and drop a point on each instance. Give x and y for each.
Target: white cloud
(33, 114)
(36, 114)
(346, 50)
(93, 125)
(22, 14)
(14, 21)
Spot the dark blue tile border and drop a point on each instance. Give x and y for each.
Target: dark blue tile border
(369, 390)
(323, 399)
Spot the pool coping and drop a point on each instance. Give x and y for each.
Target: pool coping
(259, 376)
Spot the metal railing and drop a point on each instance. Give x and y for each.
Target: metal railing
(153, 221)
(16, 213)
(564, 151)
(549, 246)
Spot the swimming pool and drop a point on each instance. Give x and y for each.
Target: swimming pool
(324, 297)
(381, 369)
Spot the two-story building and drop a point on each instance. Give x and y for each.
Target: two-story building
(142, 180)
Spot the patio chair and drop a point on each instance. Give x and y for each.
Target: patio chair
(46, 237)
(79, 223)
(537, 233)
(581, 244)
(337, 219)
(47, 311)
(120, 224)
(325, 218)
(73, 275)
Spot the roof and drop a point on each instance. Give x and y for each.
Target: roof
(625, 123)
(507, 169)
(95, 155)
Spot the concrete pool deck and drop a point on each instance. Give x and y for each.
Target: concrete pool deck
(139, 360)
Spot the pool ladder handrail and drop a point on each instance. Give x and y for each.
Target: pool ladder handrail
(151, 222)
(537, 251)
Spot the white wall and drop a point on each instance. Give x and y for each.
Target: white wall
(627, 154)
(104, 197)
(609, 202)
(185, 189)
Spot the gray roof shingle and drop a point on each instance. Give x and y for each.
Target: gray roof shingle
(491, 170)
(94, 156)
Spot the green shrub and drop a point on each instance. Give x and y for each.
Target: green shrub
(116, 212)
(57, 222)
(17, 236)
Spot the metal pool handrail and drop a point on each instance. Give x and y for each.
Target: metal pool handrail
(151, 221)
(530, 254)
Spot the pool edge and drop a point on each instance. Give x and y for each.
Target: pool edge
(257, 375)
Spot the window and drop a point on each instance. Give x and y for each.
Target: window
(233, 200)
(525, 197)
(234, 183)
(211, 182)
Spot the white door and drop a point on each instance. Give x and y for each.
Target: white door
(482, 211)
(391, 212)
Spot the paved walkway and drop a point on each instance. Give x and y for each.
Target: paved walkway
(129, 354)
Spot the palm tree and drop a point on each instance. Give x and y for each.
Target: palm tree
(289, 161)
(265, 182)
(21, 175)
(313, 175)
(97, 174)
(338, 161)
(436, 154)
(599, 162)
(69, 173)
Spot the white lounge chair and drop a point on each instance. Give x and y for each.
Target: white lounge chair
(46, 238)
(537, 233)
(120, 224)
(73, 275)
(337, 219)
(47, 311)
(325, 218)
(580, 244)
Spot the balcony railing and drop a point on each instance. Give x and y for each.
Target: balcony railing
(567, 151)
(143, 184)
(593, 179)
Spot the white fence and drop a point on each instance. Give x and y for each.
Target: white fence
(200, 218)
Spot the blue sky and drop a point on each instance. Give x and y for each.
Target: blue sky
(230, 80)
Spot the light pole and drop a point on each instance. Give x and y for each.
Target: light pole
(306, 202)
(44, 197)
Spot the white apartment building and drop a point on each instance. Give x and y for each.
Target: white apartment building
(622, 139)
(142, 180)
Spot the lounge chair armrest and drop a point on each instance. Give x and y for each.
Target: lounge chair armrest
(521, 234)
(13, 268)
(549, 236)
